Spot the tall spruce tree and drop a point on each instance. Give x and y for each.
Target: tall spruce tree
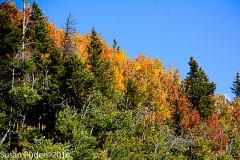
(37, 33)
(236, 86)
(47, 68)
(199, 90)
(100, 68)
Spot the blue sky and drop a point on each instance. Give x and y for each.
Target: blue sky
(172, 30)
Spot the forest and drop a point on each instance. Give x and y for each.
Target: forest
(74, 96)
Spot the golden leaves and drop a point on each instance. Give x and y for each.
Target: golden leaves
(137, 66)
(11, 10)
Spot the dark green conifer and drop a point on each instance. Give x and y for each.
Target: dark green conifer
(236, 86)
(199, 90)
(103, 74)
(78, 81)
(37, 33)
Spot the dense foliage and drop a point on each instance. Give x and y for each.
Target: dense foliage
(68, 93)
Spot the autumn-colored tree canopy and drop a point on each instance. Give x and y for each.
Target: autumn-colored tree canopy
(68, 93)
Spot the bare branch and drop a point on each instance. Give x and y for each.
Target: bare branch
(85, 108)
(68, 45)
(6, 134)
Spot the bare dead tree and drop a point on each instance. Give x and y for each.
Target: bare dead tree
(86, 106)
(70, 30)
(137, 118)
(24, 28)
(46, 70)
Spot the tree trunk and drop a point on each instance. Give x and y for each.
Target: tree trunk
(24, 28)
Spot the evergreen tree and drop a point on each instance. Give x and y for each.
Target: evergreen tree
(236, 86)
(199, 90)
(48, 71)
(78, 81)
(51, 78)
(132, 94)
(101, 69)
(37, 33)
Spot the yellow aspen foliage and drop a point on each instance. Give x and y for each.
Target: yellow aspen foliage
(60, 33)
(119, 79)
(54, 34)
(81, 42)
(137, 66)
(155, 83)
(15, 15)
(223, 110)
(174, 75)
(128, 69)
(236, 111)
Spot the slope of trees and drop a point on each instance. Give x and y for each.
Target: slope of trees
(71, 94)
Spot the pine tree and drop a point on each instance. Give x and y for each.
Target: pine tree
(77, 81)
(47, 68)
(199, 90)
(236, 86)
(38, 34)
(100, 68)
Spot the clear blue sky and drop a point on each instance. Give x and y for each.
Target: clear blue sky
(172, 30)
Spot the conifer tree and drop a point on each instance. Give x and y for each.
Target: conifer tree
(77, 81)
(236, 86)
(132, 94)
(46, 70)
(100, 68)
(199, 90)
(37, 31)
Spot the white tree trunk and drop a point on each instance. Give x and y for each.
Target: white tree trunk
(24, 29)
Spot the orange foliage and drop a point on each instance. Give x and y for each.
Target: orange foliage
(237, 115)
(81, 42)
(236, 111)
(190, 120)
(216, 133)
(11, 10)
(154, 118)
(54, 34)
